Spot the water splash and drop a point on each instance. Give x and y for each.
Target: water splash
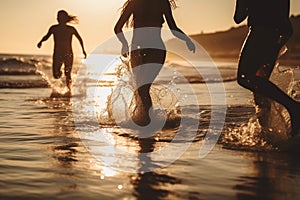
(246, 137)
(270, 126)
(59, 87)
(124, 101)
(295, 86)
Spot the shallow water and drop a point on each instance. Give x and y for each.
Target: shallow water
(43, 157)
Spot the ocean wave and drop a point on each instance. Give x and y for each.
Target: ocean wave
(18, 66)
(24, 84)
(206, 72)
(199, 79)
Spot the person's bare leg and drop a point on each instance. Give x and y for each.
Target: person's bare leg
(68, 71)
(146, 66)
(260, 48)
(57, 63)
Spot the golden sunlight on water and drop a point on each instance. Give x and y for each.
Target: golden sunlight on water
(51, 151)
(102, 77)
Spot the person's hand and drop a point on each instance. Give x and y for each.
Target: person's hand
(125, 50)
(191, 46)
(39, 44)
(84, 53)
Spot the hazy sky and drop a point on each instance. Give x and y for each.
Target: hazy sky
(24, 22)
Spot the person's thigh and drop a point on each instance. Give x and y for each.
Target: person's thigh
(68, 61)
(260, 51)
(56, 65)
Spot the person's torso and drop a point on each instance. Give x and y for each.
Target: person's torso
(265, 13)
(148, 13)
(63, 38)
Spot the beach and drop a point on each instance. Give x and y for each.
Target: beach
(44, 155)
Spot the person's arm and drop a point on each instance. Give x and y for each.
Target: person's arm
(286, 28)
(241, 11)
(177, 32)
(50, 31)
(118, 28)
(80, 41)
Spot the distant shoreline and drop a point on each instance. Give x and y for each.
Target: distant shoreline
(282, 61)
(226, 45)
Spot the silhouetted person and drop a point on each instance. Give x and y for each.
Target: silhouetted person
(269, 30)
(63, 53)
(145, 14)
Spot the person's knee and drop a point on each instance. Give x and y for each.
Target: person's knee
(144, 89)
(57, 74)
(56, 69)
(246, 81)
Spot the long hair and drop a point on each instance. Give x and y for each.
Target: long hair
(130, 22)
(64, 17)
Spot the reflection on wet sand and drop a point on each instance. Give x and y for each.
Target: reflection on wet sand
(149, 184)
(64, 148)
(268, 177)
(146, 184)
(65, 144)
